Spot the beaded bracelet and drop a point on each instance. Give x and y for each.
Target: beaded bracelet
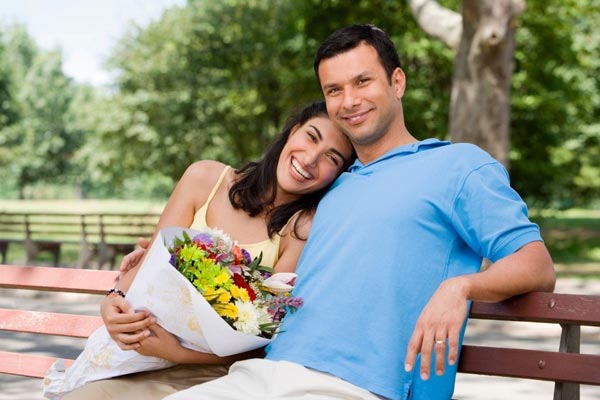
(115, 291)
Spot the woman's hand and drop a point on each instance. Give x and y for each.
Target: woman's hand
(161, 343)
(125, 326)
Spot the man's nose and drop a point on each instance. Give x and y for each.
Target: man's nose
(351, 98)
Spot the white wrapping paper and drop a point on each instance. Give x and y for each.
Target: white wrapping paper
(178, 307)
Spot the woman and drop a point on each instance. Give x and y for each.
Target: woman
(266, 206)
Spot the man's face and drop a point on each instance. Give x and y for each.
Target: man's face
(359, 97)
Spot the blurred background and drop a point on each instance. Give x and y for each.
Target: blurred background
(178, 81)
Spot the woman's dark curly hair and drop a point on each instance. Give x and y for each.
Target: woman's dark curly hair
(256, 186)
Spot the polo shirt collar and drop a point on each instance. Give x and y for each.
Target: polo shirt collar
(400, 151)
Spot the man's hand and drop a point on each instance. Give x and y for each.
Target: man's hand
(126, 327)
(438, 327)
(132, 259)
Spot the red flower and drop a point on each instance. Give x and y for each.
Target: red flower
(241, 282)
(238, 256)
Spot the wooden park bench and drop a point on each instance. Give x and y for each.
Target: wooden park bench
(565, 366)
(47, 323)
(104, 236)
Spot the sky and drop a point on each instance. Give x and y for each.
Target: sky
(85, 30)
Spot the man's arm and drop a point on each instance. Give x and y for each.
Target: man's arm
(439, 325)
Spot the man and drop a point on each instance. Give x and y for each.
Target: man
(394, 252)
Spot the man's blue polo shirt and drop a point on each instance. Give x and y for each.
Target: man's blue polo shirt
(383, 239)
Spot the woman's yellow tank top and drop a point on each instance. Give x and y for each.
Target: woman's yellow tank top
(269, 247)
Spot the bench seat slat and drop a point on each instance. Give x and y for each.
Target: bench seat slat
(530, 364)
(543, 307)
(34, 366)
(48, 323)
(51, 279)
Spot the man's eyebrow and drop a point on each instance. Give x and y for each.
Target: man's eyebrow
(317, 131)
(362, 75)
(329, 86)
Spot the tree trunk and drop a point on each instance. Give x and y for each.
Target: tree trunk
(480, 101)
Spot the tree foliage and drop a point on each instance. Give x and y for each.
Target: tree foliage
(217, 79)
(555, 152)
(37, 146)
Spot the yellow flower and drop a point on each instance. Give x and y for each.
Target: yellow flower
(240, 293)
(224, 297)
(222, 278)
(226, 310)
(209, 293)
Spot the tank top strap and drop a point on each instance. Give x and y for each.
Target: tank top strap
(200, 216)
(217, 185)
(289, 221)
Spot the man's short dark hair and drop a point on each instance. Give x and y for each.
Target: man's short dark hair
(346, 39)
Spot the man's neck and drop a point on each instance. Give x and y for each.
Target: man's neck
(370, 152)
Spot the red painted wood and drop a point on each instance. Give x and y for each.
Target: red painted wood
(34, 366)
(56, 279)
(543, 307)
(530, 364)
(48, 323)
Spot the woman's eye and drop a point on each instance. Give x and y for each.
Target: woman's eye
(333, 159)
(312, 137)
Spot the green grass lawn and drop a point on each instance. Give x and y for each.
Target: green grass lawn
(573, 236)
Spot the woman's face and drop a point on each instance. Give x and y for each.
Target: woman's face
(312, 158)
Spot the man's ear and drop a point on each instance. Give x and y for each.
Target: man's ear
(399, 82)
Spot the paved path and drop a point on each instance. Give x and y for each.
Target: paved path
(468, 387)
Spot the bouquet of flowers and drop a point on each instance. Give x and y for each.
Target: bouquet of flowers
(243, 292)
(226, 304)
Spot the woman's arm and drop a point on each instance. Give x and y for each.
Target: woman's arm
(165, 345)
(125, 326)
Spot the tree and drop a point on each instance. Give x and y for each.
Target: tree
(483, 67)
(211, 80)
(37, 145)
(555, 156)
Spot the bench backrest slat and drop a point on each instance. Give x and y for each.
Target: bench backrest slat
(543, 307)
(48, 323)
(26, 365)
(531, 364)
(53, 279)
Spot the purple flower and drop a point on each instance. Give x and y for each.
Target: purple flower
(173, 260)
(203, 238)
(247, 256)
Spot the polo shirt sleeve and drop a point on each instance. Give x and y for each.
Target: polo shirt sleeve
(489, 214)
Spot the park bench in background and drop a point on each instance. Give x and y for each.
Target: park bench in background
(566, 366)
(104, 236)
